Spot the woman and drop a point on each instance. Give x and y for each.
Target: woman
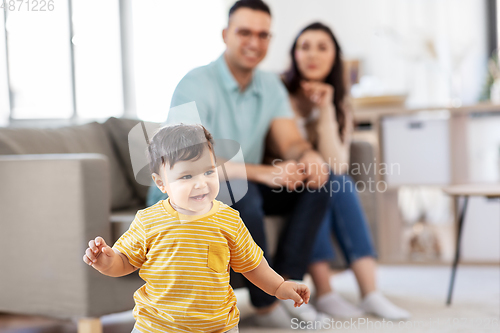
(319, 98)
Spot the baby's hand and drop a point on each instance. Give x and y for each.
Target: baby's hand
(99, 255)
(291, 290)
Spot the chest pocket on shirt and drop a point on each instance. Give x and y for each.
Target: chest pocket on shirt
(217, 257)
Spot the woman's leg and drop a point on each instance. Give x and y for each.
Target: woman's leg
(320, 272)
(321, 255)
(346, 220)
(351, 229)
(365, 271)
(354, 242)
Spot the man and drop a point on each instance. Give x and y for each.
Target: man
(236, 101)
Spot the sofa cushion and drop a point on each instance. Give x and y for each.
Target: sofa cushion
(88, 138)
(118, 129)
(121, 221)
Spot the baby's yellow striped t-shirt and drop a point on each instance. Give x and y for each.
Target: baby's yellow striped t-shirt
(185, 262)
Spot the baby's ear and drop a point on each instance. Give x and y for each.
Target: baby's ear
(159, 182)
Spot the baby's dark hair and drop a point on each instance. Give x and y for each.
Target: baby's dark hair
(171, 144)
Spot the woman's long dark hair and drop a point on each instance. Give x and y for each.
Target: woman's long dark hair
(292, 76)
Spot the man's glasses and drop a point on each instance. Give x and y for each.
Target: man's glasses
(246, 35)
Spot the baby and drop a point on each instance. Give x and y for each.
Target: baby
(184, 246)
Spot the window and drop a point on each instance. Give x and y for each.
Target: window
(66, 63)
(171, 38)
(39, 63)
(98, 73)
(4, 84)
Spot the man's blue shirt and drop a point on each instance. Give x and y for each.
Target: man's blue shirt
(228, 113)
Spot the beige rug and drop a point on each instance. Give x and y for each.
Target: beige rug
(428, 316)
(422, 291)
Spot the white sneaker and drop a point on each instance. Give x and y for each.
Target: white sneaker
(377, 304)
(336, 306)
(277, 318)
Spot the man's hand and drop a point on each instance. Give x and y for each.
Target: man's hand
(99, 255)
(299, 293)
(317, 170)
(287, 174)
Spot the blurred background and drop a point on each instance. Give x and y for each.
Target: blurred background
(95, 59)
(424, 78)
(80, 61)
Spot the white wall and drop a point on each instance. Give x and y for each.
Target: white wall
(390, 36)
(4, 89)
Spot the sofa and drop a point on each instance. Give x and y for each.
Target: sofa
(61, 187)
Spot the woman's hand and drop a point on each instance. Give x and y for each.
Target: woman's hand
(321, 94)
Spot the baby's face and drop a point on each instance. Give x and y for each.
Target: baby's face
(192, 185)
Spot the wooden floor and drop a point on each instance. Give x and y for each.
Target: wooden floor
(17, 323)
(419, 289)
(10, 323)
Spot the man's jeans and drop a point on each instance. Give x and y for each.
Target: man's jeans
(304, 212)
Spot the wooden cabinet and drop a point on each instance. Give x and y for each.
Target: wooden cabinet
(433, 147)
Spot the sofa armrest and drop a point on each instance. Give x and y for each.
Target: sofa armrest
(362, 167)
(51, 205)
